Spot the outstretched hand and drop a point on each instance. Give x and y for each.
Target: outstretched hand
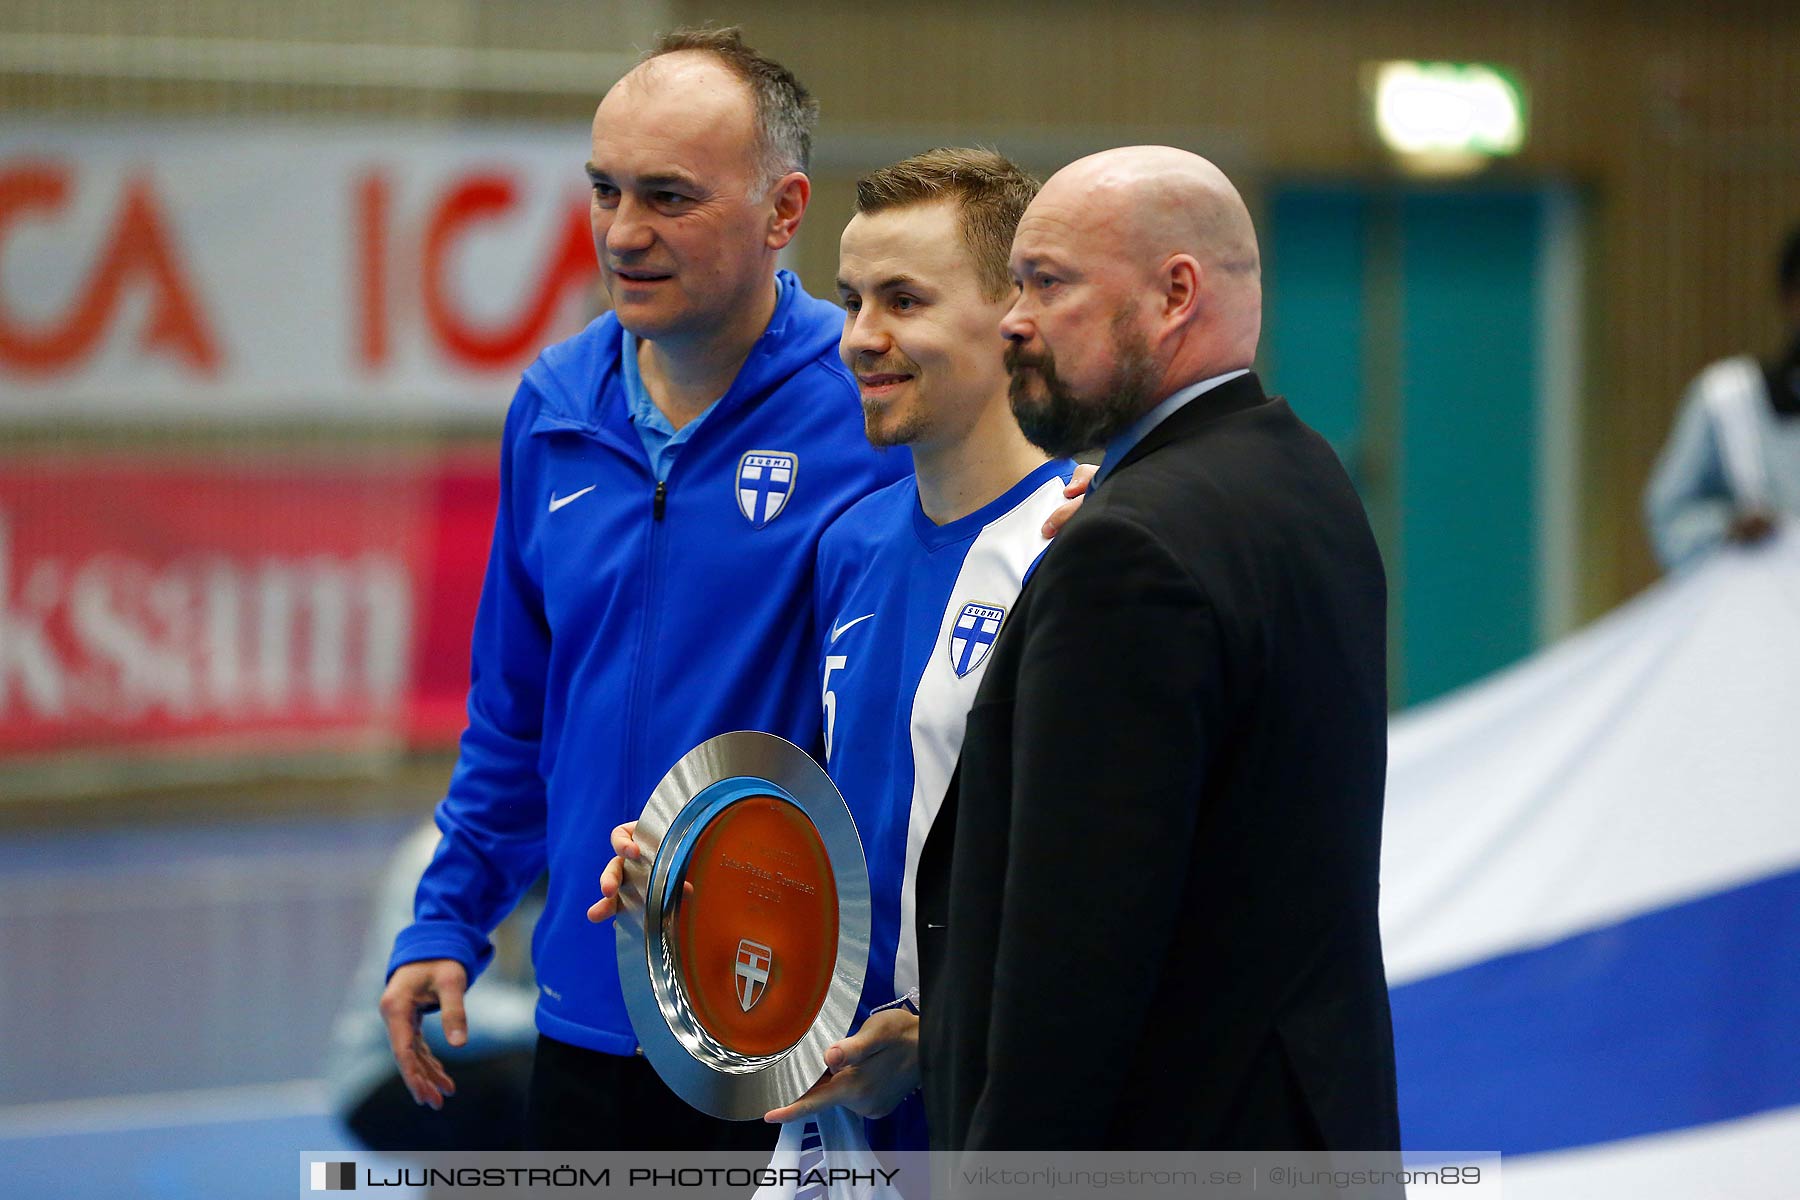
(414, 989)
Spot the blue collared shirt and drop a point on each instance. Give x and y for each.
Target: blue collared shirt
(1135, 432)
(661, 438)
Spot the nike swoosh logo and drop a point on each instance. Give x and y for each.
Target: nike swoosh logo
(557, 502)
(845, 627)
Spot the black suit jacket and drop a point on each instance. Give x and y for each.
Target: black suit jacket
(1147, 909)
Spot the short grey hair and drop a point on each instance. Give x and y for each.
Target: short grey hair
(785, 111)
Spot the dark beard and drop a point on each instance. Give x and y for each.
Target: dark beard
(1061, 422)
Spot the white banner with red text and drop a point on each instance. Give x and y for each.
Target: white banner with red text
(206, 269)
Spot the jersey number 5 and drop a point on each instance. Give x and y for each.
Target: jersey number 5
(832, 663)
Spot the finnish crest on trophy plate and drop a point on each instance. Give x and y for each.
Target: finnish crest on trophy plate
(753, 962)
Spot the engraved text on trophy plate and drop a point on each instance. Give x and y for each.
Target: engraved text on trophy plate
(755, 941)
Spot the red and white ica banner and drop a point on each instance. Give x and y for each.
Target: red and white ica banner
(215, 270)
(269, 606)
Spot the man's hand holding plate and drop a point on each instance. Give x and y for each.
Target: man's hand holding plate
(624, 844)
(869, 1072)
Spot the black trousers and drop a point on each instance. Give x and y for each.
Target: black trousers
(584, 1100)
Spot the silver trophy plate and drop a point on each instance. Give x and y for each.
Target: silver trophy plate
(743, 928)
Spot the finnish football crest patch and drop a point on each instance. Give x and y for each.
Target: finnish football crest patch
(973, 635)
(753, 962)
(765, 480)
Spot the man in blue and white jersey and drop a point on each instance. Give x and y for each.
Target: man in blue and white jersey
(914, 581)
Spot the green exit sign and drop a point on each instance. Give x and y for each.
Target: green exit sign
(1458, 110)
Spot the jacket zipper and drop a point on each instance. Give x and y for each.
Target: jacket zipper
(647, 638)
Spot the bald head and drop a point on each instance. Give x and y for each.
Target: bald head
(1174, 236)
(1168, 202)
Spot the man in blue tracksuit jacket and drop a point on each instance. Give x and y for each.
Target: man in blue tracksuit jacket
(665, 478)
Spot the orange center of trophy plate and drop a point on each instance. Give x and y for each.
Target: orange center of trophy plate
(756, 941)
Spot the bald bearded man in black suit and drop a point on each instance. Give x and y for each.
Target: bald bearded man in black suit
(1147, 910)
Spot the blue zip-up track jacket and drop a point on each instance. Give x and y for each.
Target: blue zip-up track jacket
(621, 626)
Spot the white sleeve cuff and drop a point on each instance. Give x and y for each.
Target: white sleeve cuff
(909, 1002)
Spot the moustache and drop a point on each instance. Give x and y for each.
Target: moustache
(1017, 359)
(884, 366)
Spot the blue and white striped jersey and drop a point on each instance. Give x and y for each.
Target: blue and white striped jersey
(908, 612)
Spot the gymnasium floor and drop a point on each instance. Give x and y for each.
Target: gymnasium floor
(166, 996)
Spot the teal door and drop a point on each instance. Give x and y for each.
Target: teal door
(1408, 326)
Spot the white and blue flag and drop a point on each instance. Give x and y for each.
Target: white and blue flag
(1591, 900)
